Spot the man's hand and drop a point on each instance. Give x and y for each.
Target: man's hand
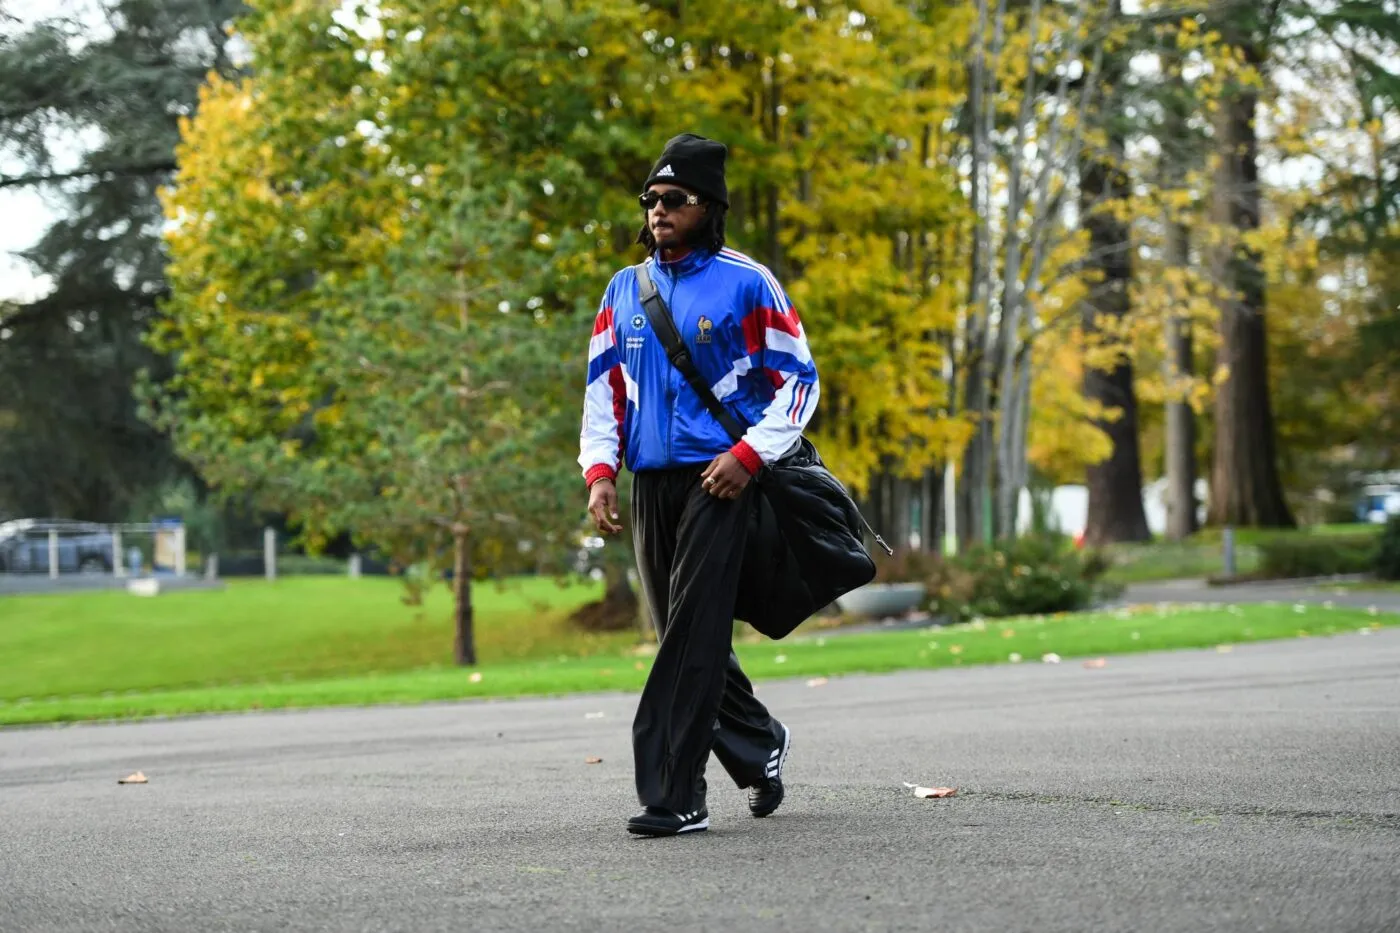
(725, 477)
(602, 506)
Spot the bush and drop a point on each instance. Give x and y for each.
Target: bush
(1029, 576)
(906, 565)
(1290, 555)
(1388, 554)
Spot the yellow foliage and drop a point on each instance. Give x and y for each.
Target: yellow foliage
(1063, 437)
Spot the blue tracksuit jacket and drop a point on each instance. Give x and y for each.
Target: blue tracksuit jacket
(747, 342)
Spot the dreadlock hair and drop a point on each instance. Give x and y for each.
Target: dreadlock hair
(709, 235)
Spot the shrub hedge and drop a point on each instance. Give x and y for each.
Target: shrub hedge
(1388, 553)
(1302, 555)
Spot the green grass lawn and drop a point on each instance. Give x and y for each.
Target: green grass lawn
(1253, 535)
(299, 628)
(1202, 554)
(1175, 560)
(336, 643)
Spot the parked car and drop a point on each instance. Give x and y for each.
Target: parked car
(83, 547)
(1378, 503)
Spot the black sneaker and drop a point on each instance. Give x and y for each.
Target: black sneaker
(654, 821)
(767, 795)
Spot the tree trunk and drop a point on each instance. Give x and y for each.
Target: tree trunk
(901, 527)
(1245, 487)
(1021, 434)
(977, 460)
(1115, 486)
(931, 525)
(1181, 419)
(1181, 439)
(464, 644)
(975, 489)
(1179, 155)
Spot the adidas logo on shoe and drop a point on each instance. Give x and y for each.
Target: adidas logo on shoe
(655, 821)
(666, 172)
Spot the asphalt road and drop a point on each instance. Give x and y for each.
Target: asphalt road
(1252, 790)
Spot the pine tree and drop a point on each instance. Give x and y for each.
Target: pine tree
(69, 425)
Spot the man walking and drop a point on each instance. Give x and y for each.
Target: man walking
(693, 484)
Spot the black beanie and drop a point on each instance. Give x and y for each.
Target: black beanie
(693, 162)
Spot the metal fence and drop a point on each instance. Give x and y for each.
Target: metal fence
(55, 548)
(42, 555)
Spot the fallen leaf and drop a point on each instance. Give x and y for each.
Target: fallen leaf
(1224, 649)
(475, 677)
(1050, 658)
(817, 682)
(926, 793)
(780, 659)
(592, 761)
(1015, 657)
(639, 666)
(1096, 663)
(955, 649)
(1008, 633)
(137, 778)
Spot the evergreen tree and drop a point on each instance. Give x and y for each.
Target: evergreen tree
(111, 91)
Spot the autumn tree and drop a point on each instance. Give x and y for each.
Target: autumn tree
(840, 181)
(1282, 37)
(1115, 483)
(1038, 75)
(307, 188)
(450, 368)
(1245, 486)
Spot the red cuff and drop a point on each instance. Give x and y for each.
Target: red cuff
(597, 472)
(751, 461)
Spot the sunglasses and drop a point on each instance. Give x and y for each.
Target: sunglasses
(673, 200)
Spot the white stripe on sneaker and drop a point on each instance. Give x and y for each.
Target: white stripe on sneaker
(775, 769)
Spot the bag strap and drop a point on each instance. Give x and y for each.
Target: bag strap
(665, 326)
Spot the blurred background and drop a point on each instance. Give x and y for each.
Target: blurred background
(305, 287)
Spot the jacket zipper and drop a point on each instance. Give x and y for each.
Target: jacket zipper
(672, 388)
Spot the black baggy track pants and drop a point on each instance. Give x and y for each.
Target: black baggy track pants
(689, 547)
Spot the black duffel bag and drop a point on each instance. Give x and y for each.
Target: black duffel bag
(805, 545)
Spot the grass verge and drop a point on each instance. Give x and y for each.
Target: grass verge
(305, 628)
(1360, 586)
(1202, 554)
(1147, 628)
(1174, 560)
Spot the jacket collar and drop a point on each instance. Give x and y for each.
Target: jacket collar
(691, 263)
